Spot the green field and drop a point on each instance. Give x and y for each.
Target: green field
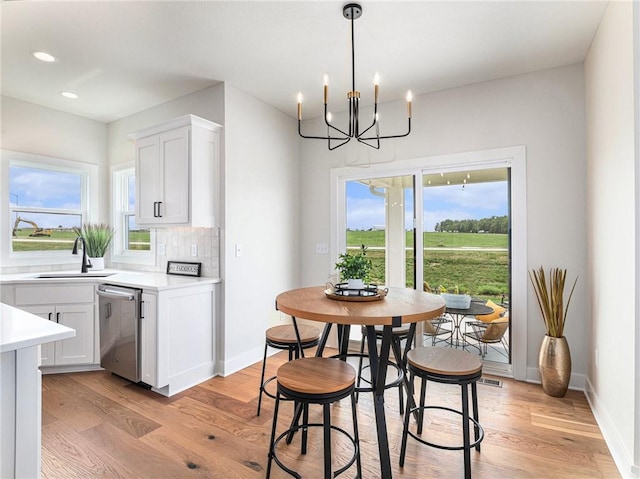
(59, 239)
(482, 274)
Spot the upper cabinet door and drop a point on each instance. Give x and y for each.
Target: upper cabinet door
(148, 180)
(174, 164)
(177, 173)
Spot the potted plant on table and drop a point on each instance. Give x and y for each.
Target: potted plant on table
(554, 360)
(97, 238)
(354, 268)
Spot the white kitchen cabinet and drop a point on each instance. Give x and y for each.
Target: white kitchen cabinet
(177, 173)
(71, 305)
(77, 350)
(178, 337)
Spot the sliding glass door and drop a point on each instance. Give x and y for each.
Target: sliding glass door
(458, 239)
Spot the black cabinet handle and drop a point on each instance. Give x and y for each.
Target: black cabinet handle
(50, 316)
(155, 209)
(57, 317)
(159, 212)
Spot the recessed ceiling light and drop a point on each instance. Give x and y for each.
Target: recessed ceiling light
(44, 56)
(69, 94)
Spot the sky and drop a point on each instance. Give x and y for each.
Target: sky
(41, 188)
(474, 201)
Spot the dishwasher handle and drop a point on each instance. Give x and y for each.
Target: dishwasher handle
(109, 293)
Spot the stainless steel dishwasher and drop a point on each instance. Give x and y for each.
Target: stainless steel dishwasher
(120, 314)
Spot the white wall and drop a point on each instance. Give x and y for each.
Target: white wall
(34, 129)
(31, 128)
(611, 236)
(262, 212)
(543, 111)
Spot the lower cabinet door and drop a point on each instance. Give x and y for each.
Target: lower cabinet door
(47, 350)
(77, 350)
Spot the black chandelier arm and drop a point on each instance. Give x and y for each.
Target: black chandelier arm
(375, 146)
(346, 140)
(378, 137)
(329, 125)
(309, 137)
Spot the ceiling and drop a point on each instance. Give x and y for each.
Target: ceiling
(122, 57)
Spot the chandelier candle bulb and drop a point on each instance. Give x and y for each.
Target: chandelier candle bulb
(409, 98)
(376, 87)
(325, 81)
(299, 106)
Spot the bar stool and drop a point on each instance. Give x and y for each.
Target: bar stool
(284, 337)
(399, 334)
(448, 366)
(322, 381)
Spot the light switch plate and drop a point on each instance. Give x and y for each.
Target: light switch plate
(161, 249)
(194, 250)
(322, 248)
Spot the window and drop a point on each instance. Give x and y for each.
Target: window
(44, 199)
(45, 207)
(132, 244)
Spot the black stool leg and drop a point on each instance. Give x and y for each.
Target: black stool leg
(405, 428)
(360, 364)
(273, 435)
(423, 394)
(356, 434)
(305, 421)
(397, 353)
(326, 412)
(264, 365)
(474, 399)
(465, 431)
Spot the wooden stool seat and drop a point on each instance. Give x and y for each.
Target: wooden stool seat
(444, 361)
(284, 337)
(286, 334)
(316, 376)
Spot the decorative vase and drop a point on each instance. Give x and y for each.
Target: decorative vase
(554, 362)
(97, 264)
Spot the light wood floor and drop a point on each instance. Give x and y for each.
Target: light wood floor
(96, 425)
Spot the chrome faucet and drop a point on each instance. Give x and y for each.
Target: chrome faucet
(84, 254)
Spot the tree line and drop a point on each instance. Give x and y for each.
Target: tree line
(495, 224)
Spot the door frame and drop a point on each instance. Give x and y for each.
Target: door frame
(511, 157)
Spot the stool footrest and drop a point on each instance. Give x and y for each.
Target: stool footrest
(294, 429)
(440, 446)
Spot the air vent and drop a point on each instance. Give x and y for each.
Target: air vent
(490, 382)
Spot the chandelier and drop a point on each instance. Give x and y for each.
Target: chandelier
(353, 11)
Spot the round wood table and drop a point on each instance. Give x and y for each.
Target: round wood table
(400, 306)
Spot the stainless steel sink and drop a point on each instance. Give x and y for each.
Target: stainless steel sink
(67, 274)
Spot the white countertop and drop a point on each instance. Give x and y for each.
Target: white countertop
(134, 279)
(19, 329)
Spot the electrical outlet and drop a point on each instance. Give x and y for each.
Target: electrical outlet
(161, 249)
(238, 250)
(194, 250)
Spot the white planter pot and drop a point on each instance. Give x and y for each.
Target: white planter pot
(355, 284)
(97, 264)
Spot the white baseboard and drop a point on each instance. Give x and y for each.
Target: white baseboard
(243, 360)
(623, 461)
(577, 381)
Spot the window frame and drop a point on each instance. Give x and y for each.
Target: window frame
(120, 213)
(88, 208)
